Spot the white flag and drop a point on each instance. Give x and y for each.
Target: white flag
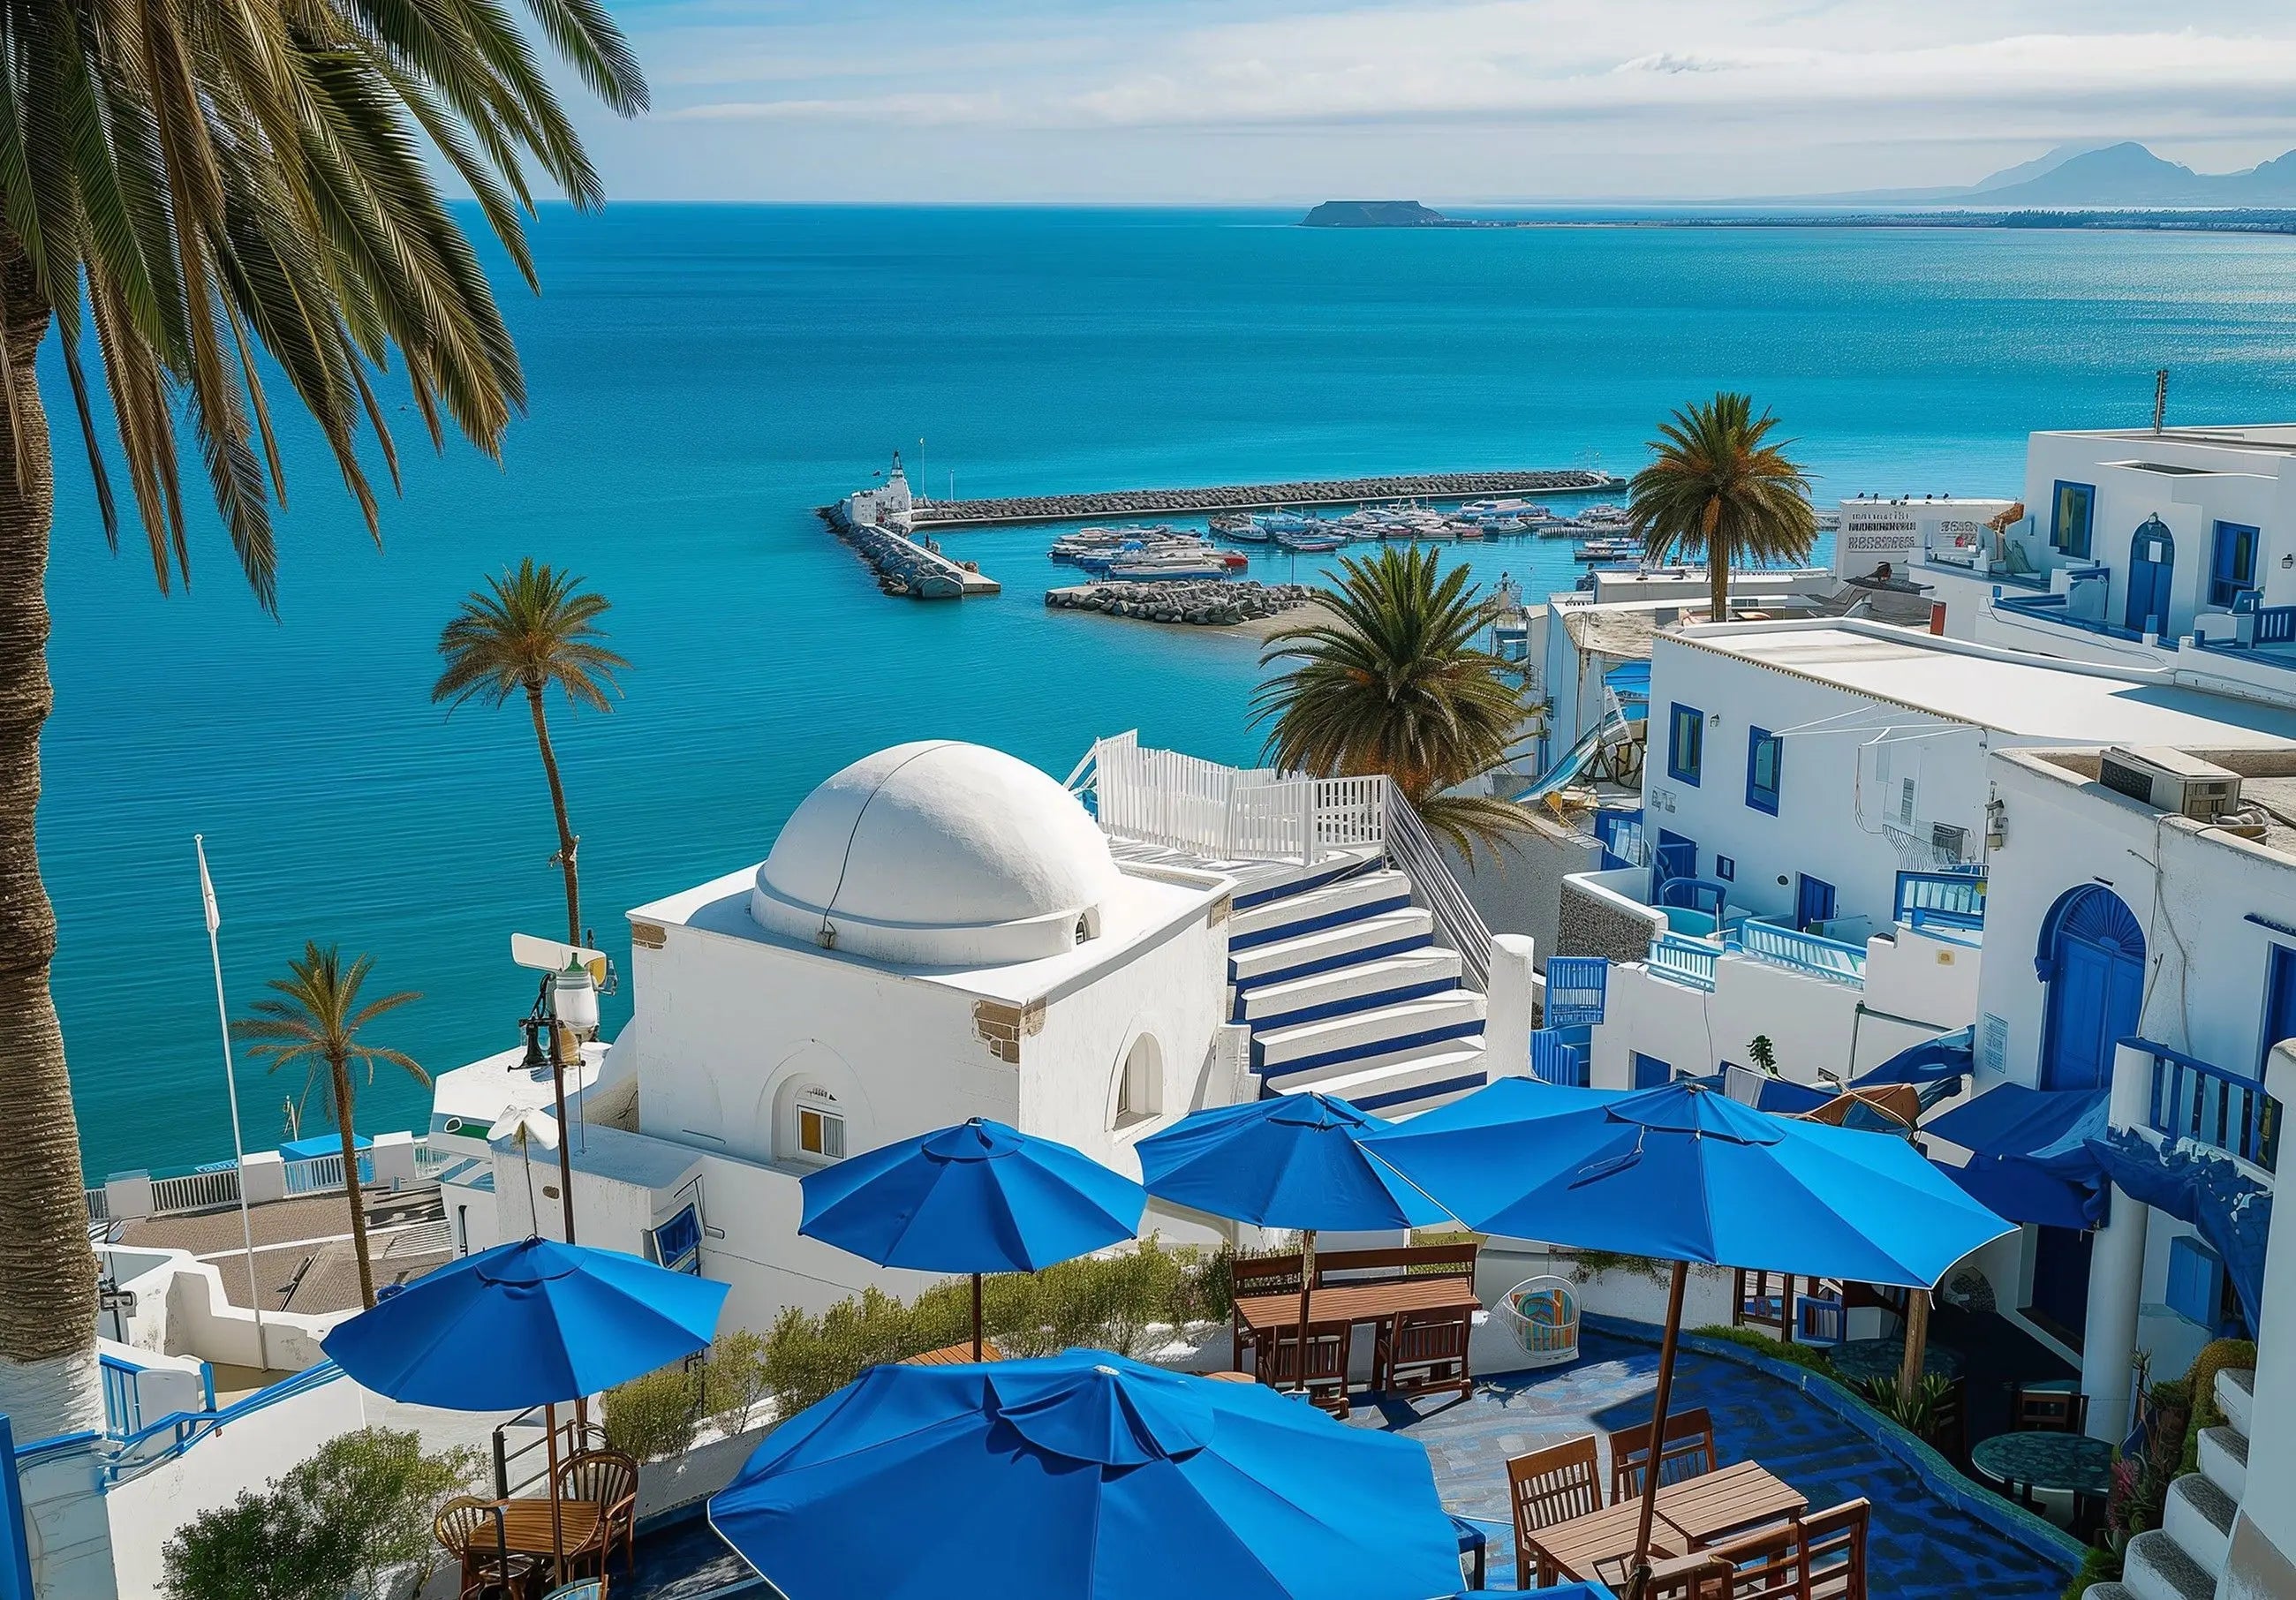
(207, 885)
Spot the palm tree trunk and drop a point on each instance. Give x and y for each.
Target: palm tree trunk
(1717, 581)
(352, 1195)
(47, 1272)
(558, 806)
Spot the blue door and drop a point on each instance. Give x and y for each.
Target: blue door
(2092, 957)
(1674, 858)
(2279, 1002)
(2151, 562)
(1813, 902)
(2060, 1261)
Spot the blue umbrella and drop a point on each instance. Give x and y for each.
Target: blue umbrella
(979, 1197)
(1084, 1476)
(529, 1323)
(1687, 1175)
(1293, 1161)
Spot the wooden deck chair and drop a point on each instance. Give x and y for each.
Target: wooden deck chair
(1834, 1551)
(1687, 1450)
(1547, 1487)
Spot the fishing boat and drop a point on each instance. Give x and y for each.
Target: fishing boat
(1168, 566)
(1241, 528)
(1607, 549)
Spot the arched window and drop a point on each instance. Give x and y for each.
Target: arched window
(817, 1126)
(1140, 1082)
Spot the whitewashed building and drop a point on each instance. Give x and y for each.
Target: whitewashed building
(942, 932)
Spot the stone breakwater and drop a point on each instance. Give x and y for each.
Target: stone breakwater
(1207, 603)
(1254, 497)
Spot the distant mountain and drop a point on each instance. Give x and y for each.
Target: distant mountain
(2125, 174)
(1373, 214)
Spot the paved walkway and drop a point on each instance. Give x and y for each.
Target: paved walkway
(1921, 1548)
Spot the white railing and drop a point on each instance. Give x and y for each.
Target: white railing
(196, 1191)
(99, 1205)
(428, 1163)
(1229, 813)
(1457, 924)
(1804, 952)
(322, 1174)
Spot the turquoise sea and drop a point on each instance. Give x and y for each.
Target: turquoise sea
(702, 376)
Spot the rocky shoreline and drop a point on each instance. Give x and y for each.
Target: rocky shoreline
(1204, 602)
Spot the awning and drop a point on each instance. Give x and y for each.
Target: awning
(1947, 1056)
(2011, 1120)
(1765, 1093)
(2024, 1190)
(304, 1150)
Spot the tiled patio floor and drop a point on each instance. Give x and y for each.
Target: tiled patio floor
(1922, 1548)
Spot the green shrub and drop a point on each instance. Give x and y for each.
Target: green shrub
(1915, 1413)
(338, 1523)
(2098, 1565)
(1797, 1355)
(2201, 1386)
(654, 1416)
(734, 1379)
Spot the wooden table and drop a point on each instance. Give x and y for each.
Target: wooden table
(1373, 1301)
(955, 1355)
(1599, 1546)
(526, 1526)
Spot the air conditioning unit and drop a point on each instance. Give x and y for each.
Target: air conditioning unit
(2170, 780)
(1949, 840)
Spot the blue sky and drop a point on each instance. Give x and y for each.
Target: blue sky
(1445, 100)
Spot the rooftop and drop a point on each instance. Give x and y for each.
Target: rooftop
(2267, 791)
(2036, 697)
(2278, 438)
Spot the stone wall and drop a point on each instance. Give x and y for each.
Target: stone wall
(1520, 890)
(1588, 926)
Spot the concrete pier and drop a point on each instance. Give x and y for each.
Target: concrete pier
(928, 515)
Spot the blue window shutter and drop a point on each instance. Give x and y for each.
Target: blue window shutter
(2195, 1280)
(1685, 744)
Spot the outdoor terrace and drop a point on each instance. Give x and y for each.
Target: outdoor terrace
(1935, 1535)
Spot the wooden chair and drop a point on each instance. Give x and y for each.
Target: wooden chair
(1424, 1352)
(1833, 1552)
(1686, 1451)
(1330, 1345)
(1396, 1262)
(608, 1480)
(2037, 1410)
(1253, 1276)
(1547, 1487)
(468, 1528)
(1765, 1564)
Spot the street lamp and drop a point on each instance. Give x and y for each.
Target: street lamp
(567, 1003)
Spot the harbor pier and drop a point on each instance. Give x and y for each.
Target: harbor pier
(930, 515)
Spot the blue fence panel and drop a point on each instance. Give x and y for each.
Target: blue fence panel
(1576, 989)
(2193, 1099)
(1554, 1059)
(1684, 960)
(2276, 624)
(1804, 952)
(123, 1404)
(1950, 900)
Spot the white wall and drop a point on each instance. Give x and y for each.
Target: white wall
(181, 1310)
(1838, 816)
(66, 1530)
(146, 1510)
(2263, 1560)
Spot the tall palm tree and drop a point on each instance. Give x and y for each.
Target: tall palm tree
(1719, 485)
(314, 1023)
(1392, 682)
(195, 184)
(525, 631)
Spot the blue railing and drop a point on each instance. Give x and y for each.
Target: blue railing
(2193, 1099)
(1689, 961)
(1555, 1059)
(1804, 952)
(123, 1404)
(1576, 990)
(172, 1435)
(1946, 900)
(2276, 624)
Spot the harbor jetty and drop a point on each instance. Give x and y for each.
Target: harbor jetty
(1202, 603)
(938, 514)
(876, 522)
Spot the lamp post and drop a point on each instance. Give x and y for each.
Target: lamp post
(569, 1003)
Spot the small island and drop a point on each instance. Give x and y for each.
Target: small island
(1373, 214)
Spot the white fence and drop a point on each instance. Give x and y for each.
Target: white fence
(1231, 813)
(196, 1191)
(217, 1187)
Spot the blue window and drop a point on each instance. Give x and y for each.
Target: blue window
(1726, 867)
(2070, 517)
(2233, 567)
(1651, 1074)
(1685, 744)
(2195, 1280)
(1763, 750)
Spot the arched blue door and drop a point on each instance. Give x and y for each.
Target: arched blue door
(2151, 562)
(2092, 958)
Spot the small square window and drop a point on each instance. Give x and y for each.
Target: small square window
(1685, 745)
(1763, 749)
(820, 1132)
(1726, 867)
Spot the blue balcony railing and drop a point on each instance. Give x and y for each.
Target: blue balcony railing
(1689, 961)
(1576, 989)
(123, 1404)
(1782, 946)
(1941, 899)
(2223, 1110)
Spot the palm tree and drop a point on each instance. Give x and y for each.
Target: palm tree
(1392, 682)
(315, 1024)
(1717, 485)
(526, 631)
(195, 185)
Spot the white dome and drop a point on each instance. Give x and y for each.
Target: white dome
(938, 853)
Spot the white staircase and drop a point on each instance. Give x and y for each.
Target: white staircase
(1338, 977)
(2184, 1558)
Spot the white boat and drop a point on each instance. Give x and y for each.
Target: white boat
(1166, 565)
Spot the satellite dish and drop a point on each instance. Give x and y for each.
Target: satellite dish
(551, 956)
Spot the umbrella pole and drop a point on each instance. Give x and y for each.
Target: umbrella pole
(557, 1522)
(1640, 1579)
(1917, 1339)
(1307, 1277)
(976, 1316)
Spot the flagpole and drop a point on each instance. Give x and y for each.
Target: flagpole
(230, 1089)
